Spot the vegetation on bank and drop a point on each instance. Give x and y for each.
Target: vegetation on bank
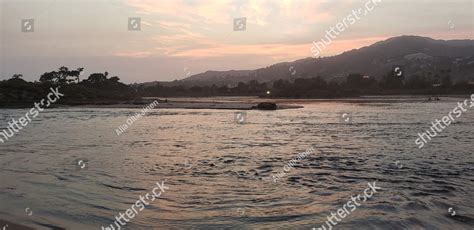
(99, 88)
(353, 85)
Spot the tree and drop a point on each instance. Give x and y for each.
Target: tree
(17, 76)
(242, 88)
(16, 80)
(417, 82)
(49, 77)
(61, 76)
(76, 73)
(281, 84)
(446, 82)
(318, 83)
(114, 79)
(355, 80)
(255, 87)
(96, 78)
(392, 81)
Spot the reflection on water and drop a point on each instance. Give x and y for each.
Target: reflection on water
(215, 168)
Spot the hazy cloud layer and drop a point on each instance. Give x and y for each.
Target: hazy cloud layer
(198, 35)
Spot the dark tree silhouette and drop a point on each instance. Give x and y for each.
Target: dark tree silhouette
(61, 76)
(17, 76)
(96, 78)
(114, 79)
(446, 82)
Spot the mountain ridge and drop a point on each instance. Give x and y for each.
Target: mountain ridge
(415, 55)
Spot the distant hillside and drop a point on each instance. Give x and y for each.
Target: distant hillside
(414, 55)
(218, 75)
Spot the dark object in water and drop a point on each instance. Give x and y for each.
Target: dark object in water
(267, 106)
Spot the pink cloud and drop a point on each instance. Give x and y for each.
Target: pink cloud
(133, 54)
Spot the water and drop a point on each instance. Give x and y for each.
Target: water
(217, 169)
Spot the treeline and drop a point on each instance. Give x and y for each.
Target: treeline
(97, 88)
(251, 88)
(353, 85)
(358, 84)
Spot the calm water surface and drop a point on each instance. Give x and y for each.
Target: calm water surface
(217, 169)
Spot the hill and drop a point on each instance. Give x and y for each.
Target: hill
(414, 55)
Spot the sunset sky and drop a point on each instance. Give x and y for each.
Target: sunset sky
(181, 38)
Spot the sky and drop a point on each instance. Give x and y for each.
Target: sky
(179, 38)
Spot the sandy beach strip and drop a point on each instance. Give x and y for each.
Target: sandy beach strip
(189, 105)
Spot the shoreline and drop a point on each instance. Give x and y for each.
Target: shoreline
(238, 103)
(192, 105)
(165, 105)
